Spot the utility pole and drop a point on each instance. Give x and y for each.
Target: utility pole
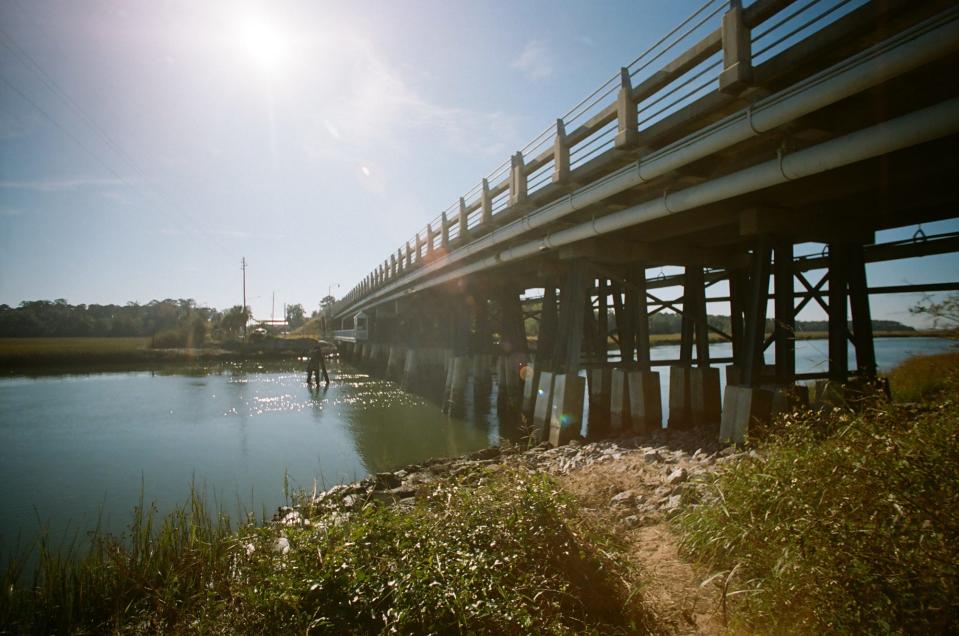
(243, 267)
(273, 308)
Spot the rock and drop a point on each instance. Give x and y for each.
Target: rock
(385, 481)
(281, 545)
(623, 498)
(652, 457)
(487, 453)
(678, 476)
(350, 501)
(672, 503)
(632, 521)
(293, 518)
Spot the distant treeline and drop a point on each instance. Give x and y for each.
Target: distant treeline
(672, 322)
(663, 323)
(58, 318)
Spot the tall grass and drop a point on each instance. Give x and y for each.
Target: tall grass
(844, 522)
(158, 572)
(510, 555)
(923, 377)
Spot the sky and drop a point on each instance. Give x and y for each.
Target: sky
(146, 147)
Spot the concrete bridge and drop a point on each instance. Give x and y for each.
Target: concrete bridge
(744, 132)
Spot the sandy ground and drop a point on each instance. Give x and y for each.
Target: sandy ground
(684, 598)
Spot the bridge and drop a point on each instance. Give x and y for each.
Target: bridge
(746, 131)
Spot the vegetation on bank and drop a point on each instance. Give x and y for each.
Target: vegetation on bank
(844, 521)
(170, 322)
(925, 377)
(510, 555)
(96, 354)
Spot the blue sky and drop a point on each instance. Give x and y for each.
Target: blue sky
(145, 147)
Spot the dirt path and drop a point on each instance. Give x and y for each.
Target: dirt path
(672, 587)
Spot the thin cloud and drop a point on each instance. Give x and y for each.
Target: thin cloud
(60, 185)
(374, 105)
(535, 61)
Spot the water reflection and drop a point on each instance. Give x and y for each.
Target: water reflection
(69, 443)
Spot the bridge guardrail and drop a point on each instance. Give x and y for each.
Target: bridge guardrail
(715, 57)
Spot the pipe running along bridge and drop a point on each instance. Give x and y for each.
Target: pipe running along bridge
(745, 131)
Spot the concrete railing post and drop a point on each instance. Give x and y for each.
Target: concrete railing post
(409, 256)
(445, 236)
(737, 70)
(429, 241)
(419, 249)
(517, 179)
(627, 122)
(486, 204)
(463, 222)
(560, 154)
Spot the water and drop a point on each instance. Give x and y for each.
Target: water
(73, 445)
(76, 448)
(812, 356)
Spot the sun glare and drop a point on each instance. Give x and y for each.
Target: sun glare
(267, 48)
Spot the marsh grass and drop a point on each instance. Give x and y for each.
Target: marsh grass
(158, 572)
(924, 377)
(510, 554)
(844, 522)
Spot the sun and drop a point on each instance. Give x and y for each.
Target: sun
(264, 44)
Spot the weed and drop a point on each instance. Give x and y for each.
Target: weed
(844, 521)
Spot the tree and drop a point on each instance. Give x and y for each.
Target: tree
(327, 302)
(945, 311)
(234, 319)
(295, 315)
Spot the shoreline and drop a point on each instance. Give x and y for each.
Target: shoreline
(42, 355)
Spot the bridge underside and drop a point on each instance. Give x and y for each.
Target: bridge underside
(455, 317)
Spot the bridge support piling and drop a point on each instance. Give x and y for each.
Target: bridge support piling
(395, 362)
(645, 401)
(410, 370)
(694, 396)
(543, 405)
(456, 380)
(600, 393)
(566, 413)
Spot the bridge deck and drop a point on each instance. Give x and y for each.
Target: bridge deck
(898, 188)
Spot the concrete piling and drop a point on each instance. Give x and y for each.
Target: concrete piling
(645, 401)
(619, 417)
(566, 412)
(457, 377)
(705, 399)
(741, 406)
(543, 405)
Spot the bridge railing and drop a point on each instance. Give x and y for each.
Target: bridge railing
(714, 49)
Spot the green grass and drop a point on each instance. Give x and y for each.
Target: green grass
(845, 523)
(922, 377)
(510, 554)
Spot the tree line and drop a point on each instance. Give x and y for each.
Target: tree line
(176, 319)
(667, 323)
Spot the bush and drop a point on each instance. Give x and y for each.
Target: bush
(843, 522)
(511, 555)
(505, 557)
